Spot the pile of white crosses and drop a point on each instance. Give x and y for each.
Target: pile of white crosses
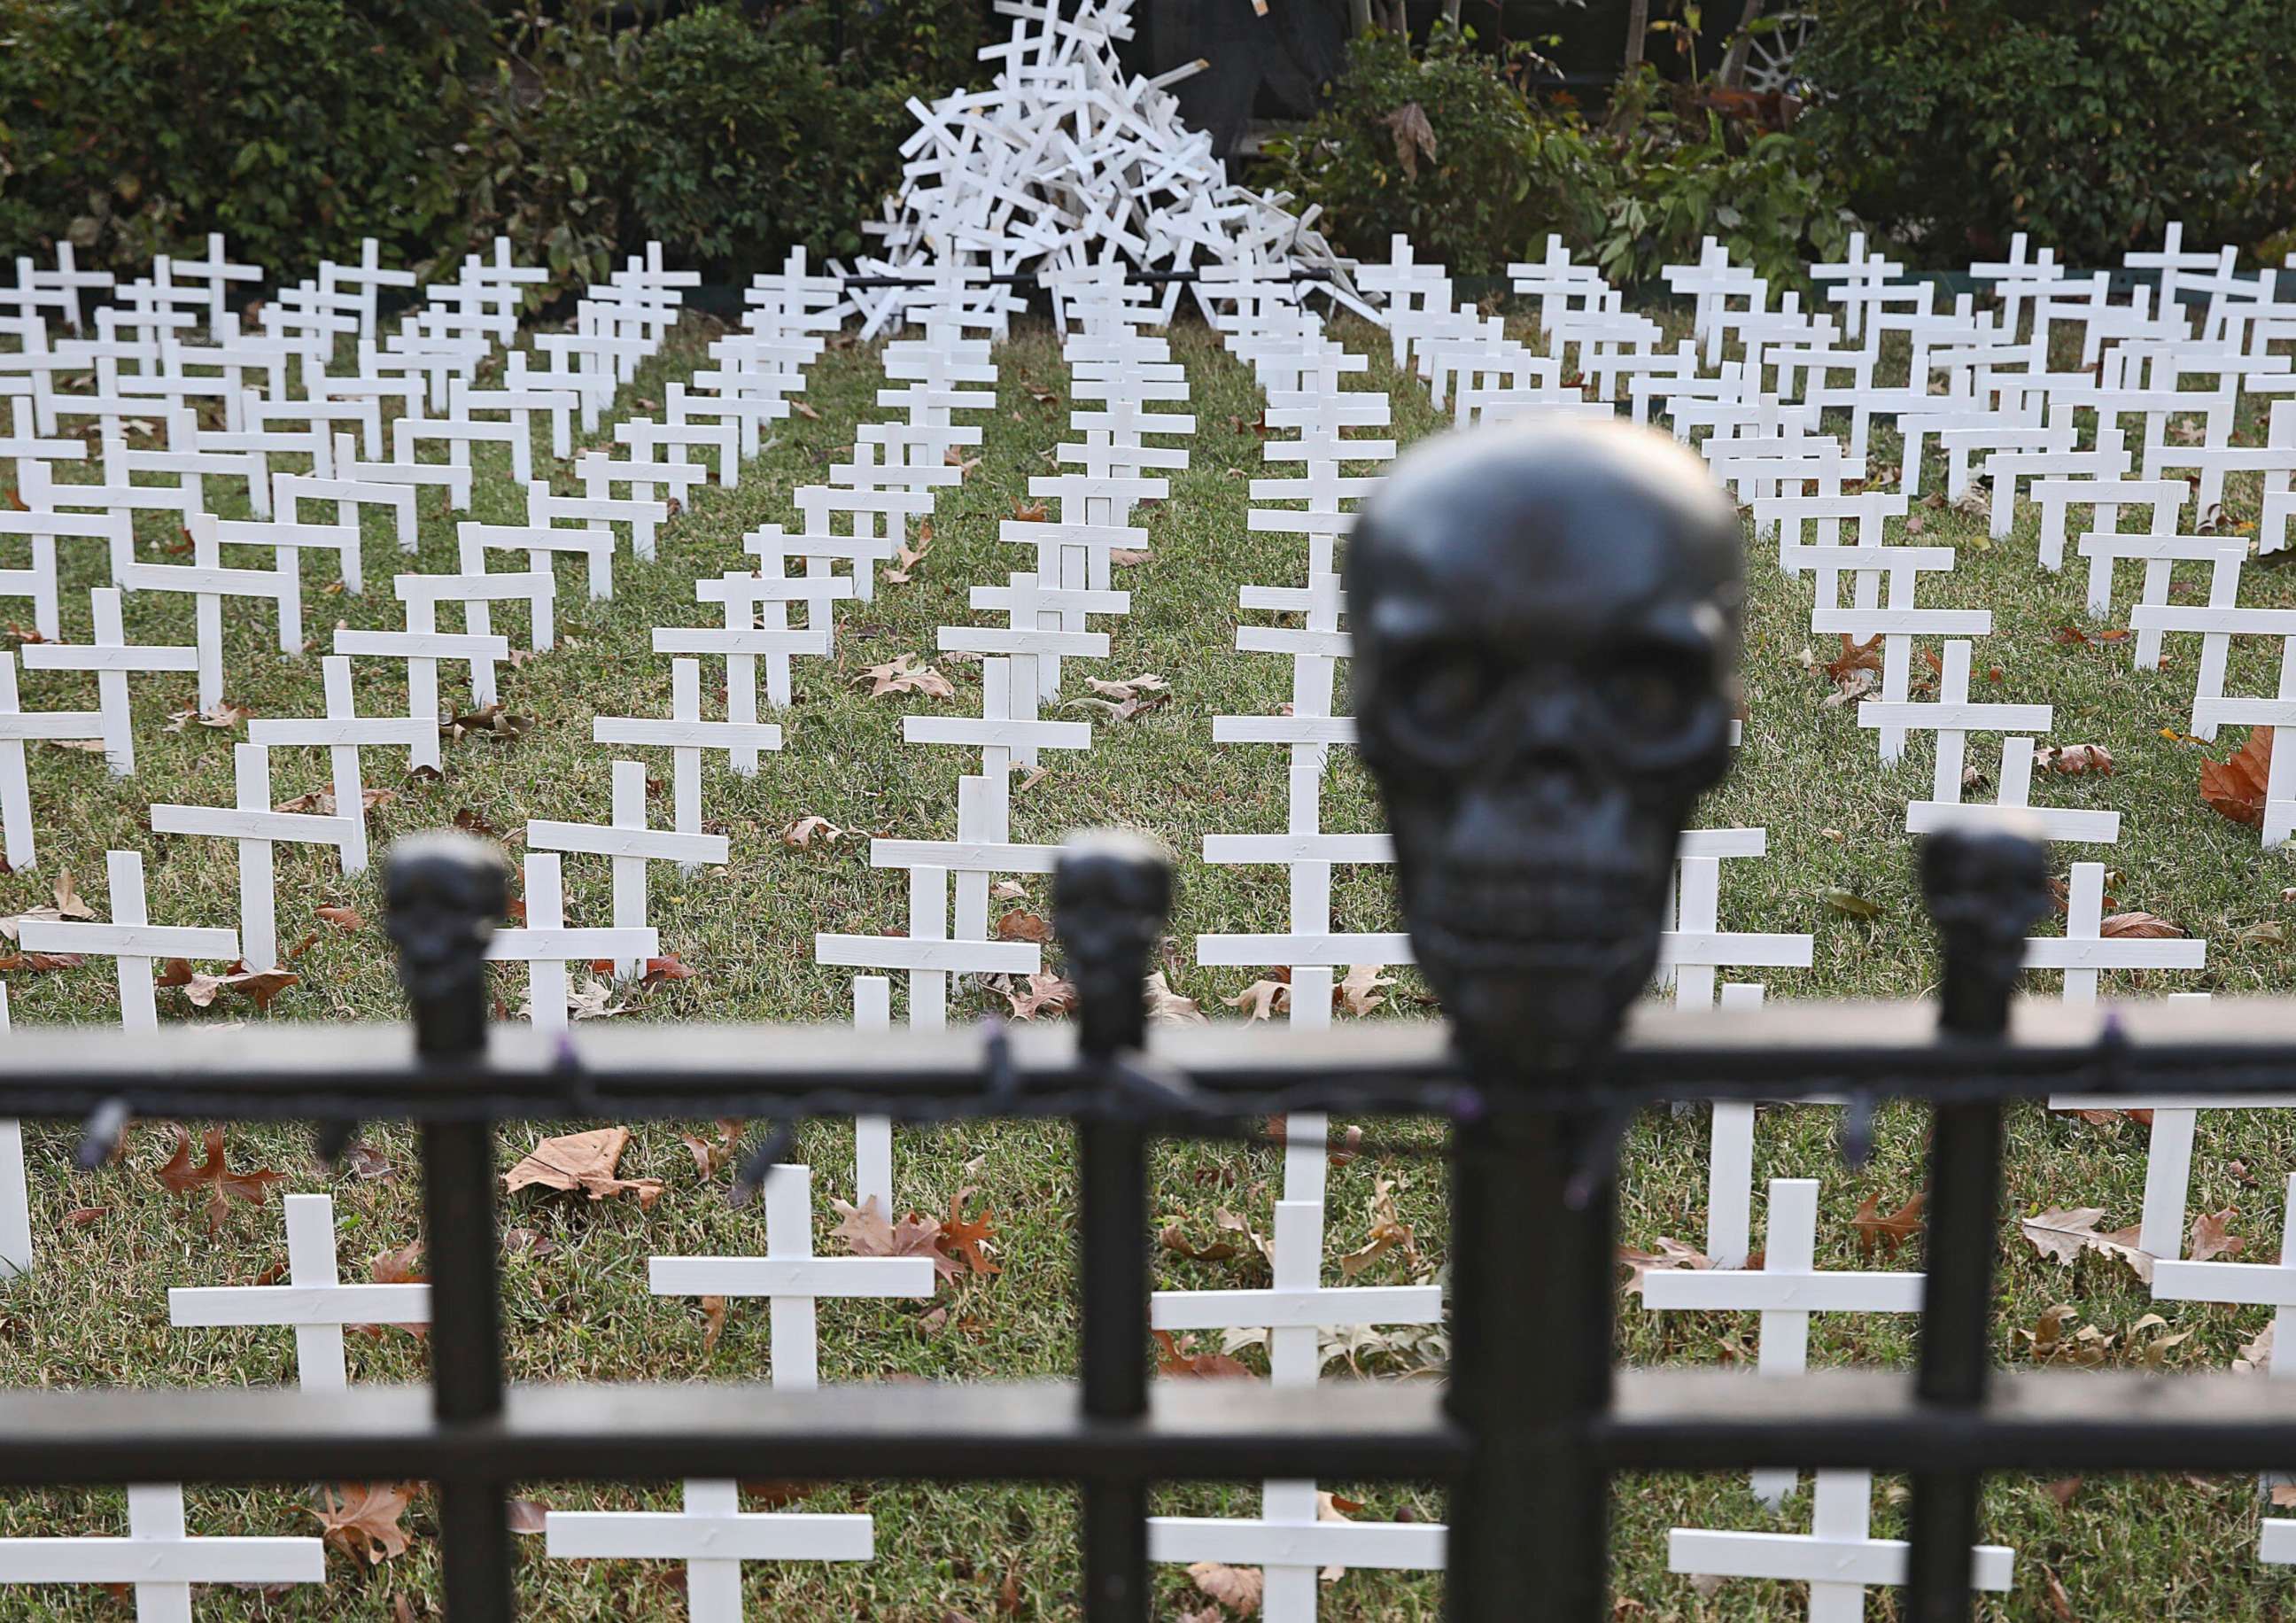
(330, 412)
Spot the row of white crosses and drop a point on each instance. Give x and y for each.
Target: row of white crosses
(1303, 373)
(950, 926)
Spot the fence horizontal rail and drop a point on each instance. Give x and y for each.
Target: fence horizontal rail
(302, 1072)
(1192, 1430)
(2035, 1420)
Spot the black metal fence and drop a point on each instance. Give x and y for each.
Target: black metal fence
(1534, 1420)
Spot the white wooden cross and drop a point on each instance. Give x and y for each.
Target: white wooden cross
(160, 1560)
(1785, 1289)
(423, 646)
(314, 1301)
(2218, 622)
(2081, 951)
(112, 660)
(1288, 1541)
(2108, 460)
(131, 940)
(1837, 1558)
(631, 845)
(252, 822)
(2107, 497)
(1954, 718)
(209, 582)
(476, 591)
(17, 726)
(2247, 1284)
(1697, 946)
(291, 490)
(2012, 806)
(761, 600)
(364, 278)
(593, 544)
(545, 945)
(685, 735)
(43, 527)
(2159, 553)
(342, 733)
(711, 1535)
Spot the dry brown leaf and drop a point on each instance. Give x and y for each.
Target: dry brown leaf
(805, 410)
(1670, 1254)
(346, 919)
(2138, 927)
(802, 833)
(2062, 1235)
(1130, 687)
(1887, 1232)
(529, 1516)
(708, 1157)
(1414, 137)
(1122, 556)
(895, 676)
(1262, 999)
(1031, 512)
(1357, 991)
(362, 1517)
(1043, 994)
(1167, 1007)
(1855, 657)
(2209, 1239)
(867, 1232)
(69, 903)
(584, 1161)
(2234, 788)
(1021, 925)
(223, 1184)
(1177, 1355)
(968, 1238)
(2074, 760)
(713, 1310)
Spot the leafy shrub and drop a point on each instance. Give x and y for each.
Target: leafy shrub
(1449, 148)
(1442, 147)
(2089, 123)
(751, 144)
(295, 126)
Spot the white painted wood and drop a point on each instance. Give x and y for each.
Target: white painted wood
(314, 1301)
(545, 945)
(112, 660)
(2081, 953)
(255, 827)
(130, 938)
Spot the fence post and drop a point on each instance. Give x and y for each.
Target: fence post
(444, 893)
(1546, 626)
(1985, 887)
(1110, 895)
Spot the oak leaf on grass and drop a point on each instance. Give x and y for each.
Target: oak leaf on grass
(223, 1184)
(584, 1163)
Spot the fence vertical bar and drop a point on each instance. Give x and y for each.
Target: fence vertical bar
(1531, 1369)
(1111, 894)
(1984, 889)
(444, 894)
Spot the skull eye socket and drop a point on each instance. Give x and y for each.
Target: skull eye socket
(1444, 694)
(1654, 691)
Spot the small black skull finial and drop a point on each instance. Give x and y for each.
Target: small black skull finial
(1985, 887)
(443, 893)
(1545, 624)
(1111, 896)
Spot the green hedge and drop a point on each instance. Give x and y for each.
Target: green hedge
(2089, 123)
(1444, 145)
(297, 127)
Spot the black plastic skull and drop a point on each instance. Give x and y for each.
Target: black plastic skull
(1545, 625)
(1985, 887)
(1111, 894)
(443, 893)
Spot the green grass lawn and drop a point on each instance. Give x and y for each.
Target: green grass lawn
(94, 1312)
